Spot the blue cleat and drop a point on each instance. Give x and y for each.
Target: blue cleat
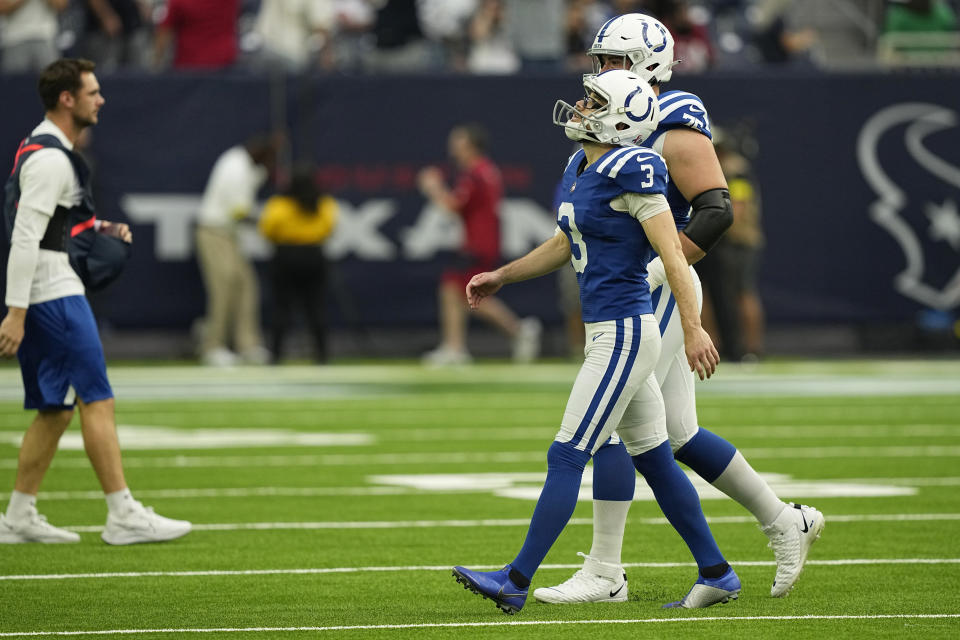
(493, 585)
(709, 591)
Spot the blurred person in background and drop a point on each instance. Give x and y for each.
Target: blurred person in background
(445, 24)
(49, 325)
(691, 39)
(294, 34)
(28, 34)
(233, 296)
(699, 199)
(775, 40)
(115, 33)
(732, 309)
(297, 222)
(475, 199)
(399, 41)
(538, 31)
(202, 33)
(491, 50)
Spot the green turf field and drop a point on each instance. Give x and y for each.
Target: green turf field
(334, 501)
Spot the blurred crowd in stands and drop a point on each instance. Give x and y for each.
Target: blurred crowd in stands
(460, 36)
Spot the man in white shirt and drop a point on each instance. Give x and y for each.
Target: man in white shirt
(49, 325)
(28, 34)
(233, 296)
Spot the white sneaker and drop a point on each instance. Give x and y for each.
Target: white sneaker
(256, 355)
(445, 357)
(33, 528)
(791, 536)
(220, 357)
(140, 524)
(526, 344)
(596, 582)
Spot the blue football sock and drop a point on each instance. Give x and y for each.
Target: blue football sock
(679, 502)
(614, 477)
(707, 454)
(556, 504)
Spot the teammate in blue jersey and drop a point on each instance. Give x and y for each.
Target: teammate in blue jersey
(613, 216)
(700, 203)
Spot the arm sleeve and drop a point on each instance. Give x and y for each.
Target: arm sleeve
(45, 179)
(28, 229)
(641, 205)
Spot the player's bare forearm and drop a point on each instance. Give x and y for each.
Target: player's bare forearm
(702, 356)
(691, 251)
(549, 256)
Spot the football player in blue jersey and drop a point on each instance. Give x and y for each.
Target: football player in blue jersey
(700, 203)
(613, 216)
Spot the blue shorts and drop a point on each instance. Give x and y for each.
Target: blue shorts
(61, 357)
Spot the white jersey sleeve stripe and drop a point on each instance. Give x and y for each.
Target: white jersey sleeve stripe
(667, 100)
(611, 158)
(676, 105)
(622, 161)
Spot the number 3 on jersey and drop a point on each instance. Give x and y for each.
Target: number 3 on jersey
(578, 250)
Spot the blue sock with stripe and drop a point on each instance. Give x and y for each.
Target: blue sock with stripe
(614, 477)
(707, 454)
(556, 504)
(680, 503)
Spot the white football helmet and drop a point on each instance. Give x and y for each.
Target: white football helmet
(628, 113)
(643, 40)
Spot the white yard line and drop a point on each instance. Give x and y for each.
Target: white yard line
(180, 461)
(516, 522)
(502, 623)
(314, 492)
(446, 567)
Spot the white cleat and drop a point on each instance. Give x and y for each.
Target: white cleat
(140, 524)
(526, 344)
(444, 357)
(33, 528)
(596, 582)
(791, 536)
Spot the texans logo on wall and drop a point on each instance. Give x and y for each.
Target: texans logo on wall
(918, 203)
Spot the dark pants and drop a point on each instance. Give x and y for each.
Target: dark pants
(299, 275)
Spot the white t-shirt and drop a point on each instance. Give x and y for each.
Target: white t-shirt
(231, 191)
(33, 20)
(288, 25)
(47, 179)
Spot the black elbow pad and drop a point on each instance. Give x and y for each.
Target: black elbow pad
(712, 216)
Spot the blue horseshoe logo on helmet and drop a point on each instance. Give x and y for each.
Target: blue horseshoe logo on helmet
(662, 46)
(626, 105)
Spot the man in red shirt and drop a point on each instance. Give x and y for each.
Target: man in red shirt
(205, 32)
(476, 200)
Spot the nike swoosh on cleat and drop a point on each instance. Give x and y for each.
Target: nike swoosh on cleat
(613, 593)
(806, 527)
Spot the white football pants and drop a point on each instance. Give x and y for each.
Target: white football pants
(616, 388)
(677, 382)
